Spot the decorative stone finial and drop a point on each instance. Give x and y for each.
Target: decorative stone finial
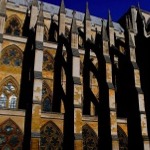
(74, 28)
(110, 23)
(104, 33)
(87, 13)
(35, 3)
(62, 7)
(41, 17)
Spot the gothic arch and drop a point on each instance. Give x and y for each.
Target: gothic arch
(90, 139)
(9, 93)
(46, 97)
(13, 25)
(51, 137)
(12, 56)
(48, 61)
(11, 136)
(123, 139)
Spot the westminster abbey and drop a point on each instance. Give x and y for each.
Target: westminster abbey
(73, 81)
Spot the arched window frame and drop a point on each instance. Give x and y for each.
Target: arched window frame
(46, 93)
(51, 136)
(89, 136)
(11, 56)
(10, 88)
(9, 24)
(11, 135)
(48, 61)
(123, 139)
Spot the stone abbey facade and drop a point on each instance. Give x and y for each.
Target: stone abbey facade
(73, 81)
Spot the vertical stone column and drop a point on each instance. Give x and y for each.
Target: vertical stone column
(141, 101)
(77, 86)
(37, 86)
(62, 18)
(2, 22)
(34, 14)
(111, 90)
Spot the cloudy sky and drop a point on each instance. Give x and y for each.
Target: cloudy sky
(100, 7)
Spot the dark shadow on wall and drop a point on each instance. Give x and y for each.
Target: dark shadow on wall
(26, 91)
(60, 94)
(101, 104)
(143, 61)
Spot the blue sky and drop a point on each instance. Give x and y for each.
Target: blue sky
(100, 7)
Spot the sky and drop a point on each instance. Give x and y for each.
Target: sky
(100, 8)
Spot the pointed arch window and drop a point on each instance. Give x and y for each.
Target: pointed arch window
(67, 32)
(46, 37)
(48, 62)
(8, 95)
(123, 140)
(51, 137)
(11, 136)
(81, 37)
(13, 26)
(12, 56)
(47, 98)
(90, 140)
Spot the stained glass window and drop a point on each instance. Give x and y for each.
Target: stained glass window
(48, 62)
(8, 95)
(3, 100)
(13, 26)
(12, 101)
(51, 137)
(12, 56)
(11, 136)
(46, 96)
(123, 140)
(90, 140)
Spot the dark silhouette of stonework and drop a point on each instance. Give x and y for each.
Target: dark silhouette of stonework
(73, 81)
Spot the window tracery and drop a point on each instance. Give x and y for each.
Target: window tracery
(8, 95)
(51, 137)
(123, 140)
(81, 68)
(47, 98)
(90, 140)
(48, 62)
(45, 33)
(12, 56)
(81, 37)
(11, 136)
(67, 32)
(13, 26)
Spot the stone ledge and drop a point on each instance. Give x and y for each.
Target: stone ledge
(12, 112)
(52, 115)
(122, 120)
(15, 38)
(35, 135)
(90, 118)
